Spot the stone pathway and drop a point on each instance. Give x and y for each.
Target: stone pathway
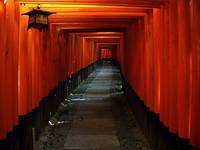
(99, 118)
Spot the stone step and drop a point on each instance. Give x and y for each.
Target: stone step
(92, 142)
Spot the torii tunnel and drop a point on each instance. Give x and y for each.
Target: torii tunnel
(150, 48)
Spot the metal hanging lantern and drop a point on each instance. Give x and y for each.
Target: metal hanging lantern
(38, 19)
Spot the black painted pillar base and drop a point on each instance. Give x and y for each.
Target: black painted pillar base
(158, 135)
(21, 137)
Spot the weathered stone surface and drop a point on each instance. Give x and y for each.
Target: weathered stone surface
(94, 124)
(92, 131)
(99, 118)
(88, 142)
(80, 115)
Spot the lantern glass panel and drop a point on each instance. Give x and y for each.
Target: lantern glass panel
(31, 19)
(41, 19)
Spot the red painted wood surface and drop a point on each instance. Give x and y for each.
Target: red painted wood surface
(162, 65)
(45, 58)
(8, 66)
(160, 58)
(195, 72)
(106, 53)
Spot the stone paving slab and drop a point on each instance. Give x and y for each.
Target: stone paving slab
(88, 95)
(93, 107)
(97, 95)
(100, 88)
(92, 131)
(91, 114)
(80, 115)
(93, 104)
(94, 124)
(99, 118)
(93, 127)
(92, 142)
(95, 98)
(97, 90)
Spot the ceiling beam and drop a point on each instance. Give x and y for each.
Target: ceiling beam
(137, 3)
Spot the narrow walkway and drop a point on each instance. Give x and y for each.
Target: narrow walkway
(99, 117)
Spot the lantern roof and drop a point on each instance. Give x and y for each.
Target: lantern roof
(38, 11)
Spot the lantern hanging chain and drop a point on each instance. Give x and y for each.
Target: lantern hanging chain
(24, 4)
